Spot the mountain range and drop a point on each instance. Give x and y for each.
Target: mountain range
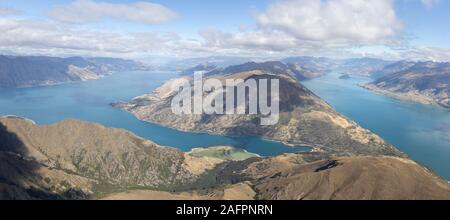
(73, 159)
(421, 81)
(28, 71)
(424, 82)
(310, 67)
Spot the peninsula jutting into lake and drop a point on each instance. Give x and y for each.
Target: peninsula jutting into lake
(297, 100)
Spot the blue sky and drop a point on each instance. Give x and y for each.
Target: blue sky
(429, 26)
(412, 29)
(193, 14)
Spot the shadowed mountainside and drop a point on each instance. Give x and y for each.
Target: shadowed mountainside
(24, 178)
(79, 160)
(94, 157)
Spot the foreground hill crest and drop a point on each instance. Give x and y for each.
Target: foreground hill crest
(80, 160)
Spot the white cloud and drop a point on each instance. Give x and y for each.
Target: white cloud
(45, 37)
(356, 21)
(430, 3)
(248, 40)
(312, 27)
(25, 36)
(85, 11)
(417, 53)
(8, 11)
(427, 53)
(334, 28)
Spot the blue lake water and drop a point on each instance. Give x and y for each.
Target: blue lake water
(90, 101)
(421, 131)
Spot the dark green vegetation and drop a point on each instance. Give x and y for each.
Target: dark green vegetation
(222, 152)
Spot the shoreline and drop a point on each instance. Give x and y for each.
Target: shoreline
(50, 84)
(408, 97)
(264, 138)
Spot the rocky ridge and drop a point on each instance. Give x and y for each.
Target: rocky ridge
(80, 160)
